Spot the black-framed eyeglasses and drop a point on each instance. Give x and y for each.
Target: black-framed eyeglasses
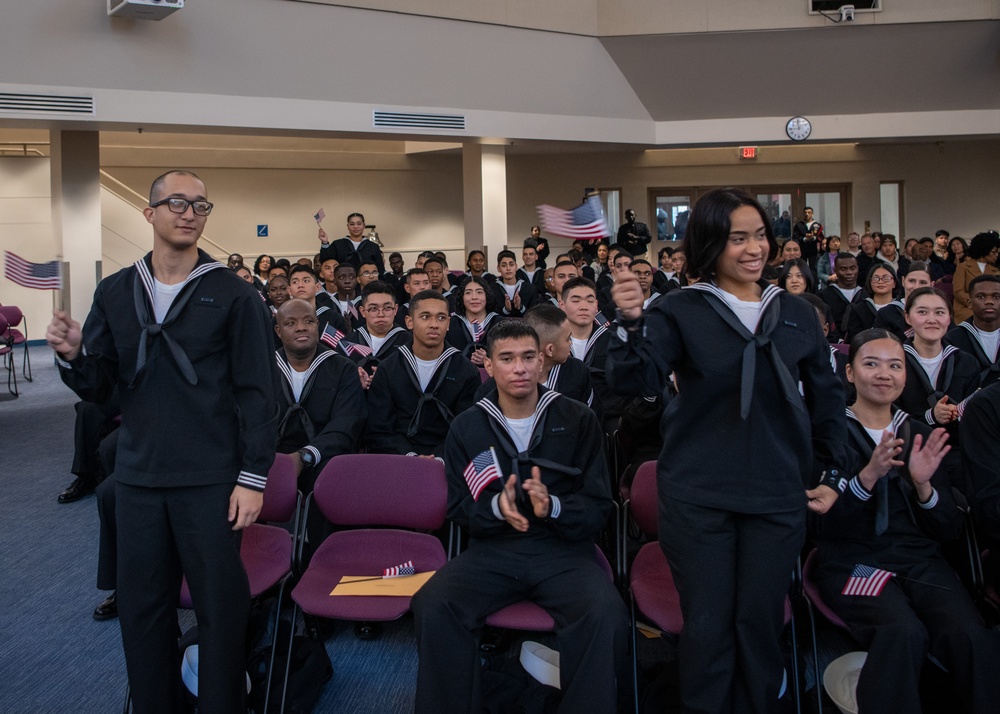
(180, 205)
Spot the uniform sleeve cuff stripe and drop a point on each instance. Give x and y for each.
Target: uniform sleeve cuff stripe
(556, 507)
(858, 490)
(253, 481)
(315, 452)
(495, 505)
(933, 501)
(63, 363)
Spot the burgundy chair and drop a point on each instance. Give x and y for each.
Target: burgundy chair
(526, 615)
(267, 551)
(398, 495)
(651, 584)
(842, 347)
(7, 352)
(14, 337)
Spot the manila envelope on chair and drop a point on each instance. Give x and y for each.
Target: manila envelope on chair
(401, 586)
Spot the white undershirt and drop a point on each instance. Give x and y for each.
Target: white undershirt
(520, 431)
(876, 434)
(747, 312)
(345, 306)
(377, 342)
(982, 267)
(298, 382)
(989, 341)
(425, 370)
(848, 294)
(509, 289)
(530, 273)
(356, 243)
(932, 366)
(163, 298)
(579, 348)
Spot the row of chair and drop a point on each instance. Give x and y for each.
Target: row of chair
(12, 318)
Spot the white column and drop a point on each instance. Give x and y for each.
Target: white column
(76, 213)
(484, 179)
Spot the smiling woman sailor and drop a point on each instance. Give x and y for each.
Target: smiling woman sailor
(739, 443)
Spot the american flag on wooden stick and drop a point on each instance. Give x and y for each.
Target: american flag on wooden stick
(39, 276)
(585, 222)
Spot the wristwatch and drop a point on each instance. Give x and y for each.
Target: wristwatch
(307, 457)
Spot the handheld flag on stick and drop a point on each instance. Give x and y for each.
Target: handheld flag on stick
(331, 336)
(39, 276)
(585, 222)
(866, 581)
(353, 348)
(400, 570)
(481, 471)
(320, 215)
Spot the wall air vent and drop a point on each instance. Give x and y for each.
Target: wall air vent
(45, 104)
(832, 7)
(405, 120)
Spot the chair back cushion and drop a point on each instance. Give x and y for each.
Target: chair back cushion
(383, 489)
(643, 499)
(281, 491)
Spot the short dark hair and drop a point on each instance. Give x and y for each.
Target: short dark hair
(510, 330)
(426, 295)
(982, 279)
(506, 254)
(491, 305)
(283, 262)
(433, 259)
(917, 266)
(411, 272)
(622, 253)
(843, 256)
(927, 290)
(803, 267)
(343, 266)
(864, 337)
(426, 254)
(300, 268)
(578, 282)
(942, 232)
(377, 287)
(157, 186)
(926, 239)
(546, 318)
(982, 244)
(708, 229)
(355, 215)
(395, 254)
(665, 249)
(641, 261)
(363, 263)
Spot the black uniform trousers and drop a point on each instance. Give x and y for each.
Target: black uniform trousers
(908, 620)
(174, 531)
(107, 553)
(562, 577)
(93, 423)
(732, 571)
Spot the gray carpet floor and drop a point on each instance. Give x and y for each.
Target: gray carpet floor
(53, 656)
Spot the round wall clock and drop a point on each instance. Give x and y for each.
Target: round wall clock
(798, 128)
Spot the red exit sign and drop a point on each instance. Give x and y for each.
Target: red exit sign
(748, 152)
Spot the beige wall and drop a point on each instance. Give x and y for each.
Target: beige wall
(416, 201)
(26, 229)
(649, 17)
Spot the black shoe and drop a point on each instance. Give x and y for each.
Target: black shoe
(108, 609)
(77, 490)
(367, 630)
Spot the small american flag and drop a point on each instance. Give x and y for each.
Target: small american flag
(866, 581)
(40, 276)
(320, 215)
(585, 222)
(331, 336)
(477, 331)
(352, 348)
(480, 471)
(400, 570)
(601, 320)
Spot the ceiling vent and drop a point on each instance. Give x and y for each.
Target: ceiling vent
(47, 104)
(405, 120)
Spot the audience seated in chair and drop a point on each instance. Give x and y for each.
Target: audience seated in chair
(418, 390)
(527, 479)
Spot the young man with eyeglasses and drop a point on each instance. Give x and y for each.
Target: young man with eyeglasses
(379, 337)
(418, 390)
(187, 343)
